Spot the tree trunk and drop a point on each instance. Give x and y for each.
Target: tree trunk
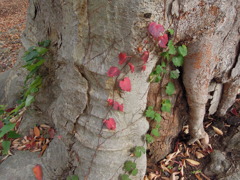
(87, 36)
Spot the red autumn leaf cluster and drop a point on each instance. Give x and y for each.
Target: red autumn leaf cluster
(37, 140)
(122, 58)
(115, 105)
(131, 66)
(156, 30)
(110, 123)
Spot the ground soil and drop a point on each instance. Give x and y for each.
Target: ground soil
(12, 24)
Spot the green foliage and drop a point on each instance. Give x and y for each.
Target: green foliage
(156, 75)
(155, 132)
(166, 106)
(125, 177)
(170, 89)
(177, 61)
(6, 147)
(149, 138)
(175, 74)
(72, 177)
(171, 31)
(139, 150)
(33, 58)
(182, 50)
(6, 128)
(150, 113)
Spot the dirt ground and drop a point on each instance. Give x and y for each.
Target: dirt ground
(12, 24)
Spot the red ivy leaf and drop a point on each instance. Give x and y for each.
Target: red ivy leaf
(110, 123)
(122, 58)
(143, 67)
(125, 84)
(155, 29)
(163, 40)
(115, 105)
(120, 107)
(113, 71)
(145, 56)
(110, 102)
(131, 67)
(37, 171)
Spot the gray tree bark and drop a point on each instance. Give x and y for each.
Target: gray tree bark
(87, 36)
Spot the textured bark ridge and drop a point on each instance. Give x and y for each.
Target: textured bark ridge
(87, 36)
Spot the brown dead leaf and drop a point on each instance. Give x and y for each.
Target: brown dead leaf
(153, 176)
(217, 131)
(192, 162)
(174, 176)
(187, 153)
(43, 149)
(199, 155)
(198, 177)
(165, 178)
(36, 131)
(164, 168)
(145, 177)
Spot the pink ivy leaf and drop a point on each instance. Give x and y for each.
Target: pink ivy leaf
(122, 58)
(163, 40)
(155, 29)
(115, 105)
(113, 71)
(131, 67)
(110, 123)
(143, 67)
(125, 84)
(110, 102)
(120, 107)
(145, 56)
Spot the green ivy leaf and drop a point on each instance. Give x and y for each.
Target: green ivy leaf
(171, 31)
(182, 50)
(172, 50)
(6, 146)
(170, 88)
(157, 126)
(41, 50)
(157, 79)
(125, 177)
(177, 61)
(29, 100)
(6, 128)
(150, 113)
(45, 43)
(157, 117)
(73, 177)
(139, 150)
(134, 172)
(159, 69)
(175, 74)
(149, 138)
(30, 56)
(165, 55)
(13, 134)
(129, 166)
(166, 106)
(155, 132)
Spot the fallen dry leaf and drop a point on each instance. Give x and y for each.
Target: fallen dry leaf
(153, 176)
(174, 176)
(192, 162)
(145, 177)
(37, 171)
(199, 155)
(218, 131)
(36, 131)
